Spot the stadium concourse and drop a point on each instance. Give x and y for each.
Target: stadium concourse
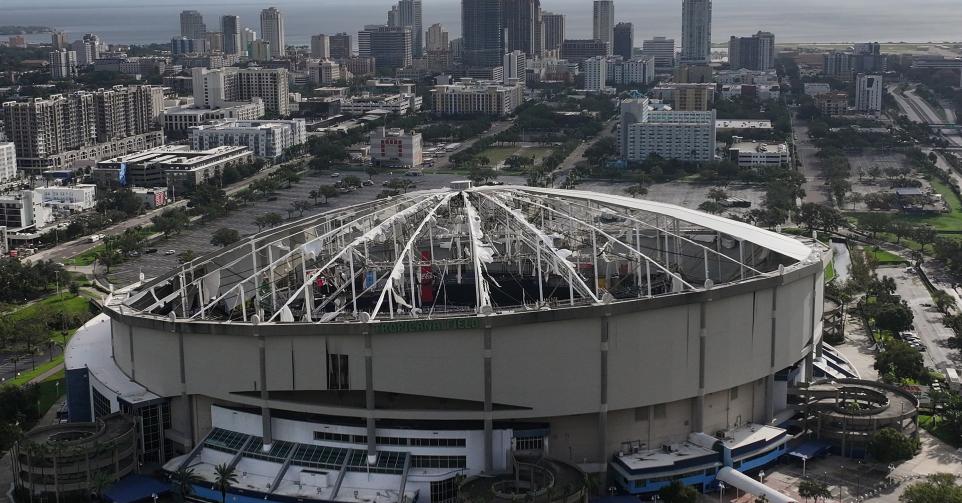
(498, 339)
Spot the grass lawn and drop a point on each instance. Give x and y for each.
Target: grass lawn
(886, 257)
(939, 430)
(26, 375)
(86, 258)
(70, 303)
(951, 221)
(497, 155)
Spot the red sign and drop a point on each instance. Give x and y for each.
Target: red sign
(427, 280)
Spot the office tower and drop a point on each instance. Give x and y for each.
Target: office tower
(578, 50)
(272, 30)
(340, 46)
(231, 28)
(59, 40)
(553, 28)
(389, 46)
(868, 93)
(696, 32)
(215, 41)
(482, 33)
(259, 50)
(192, 24)
(393, 17)
(63, 64)
(320, 47)
(624, 40)
(86, 49)
(409, 15)
(215, 88)
(596, 73)
(436, 38)
(756, 52)
(514, 66)
(248, 35)
(662, 49)
(521, 20)
(456, 46)
(181, 45)
(604, 21)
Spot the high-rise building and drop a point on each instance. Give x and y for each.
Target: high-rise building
(436, 38)
(8, 161)
(215, 88)
(578, 50)
(640, 70)
(324, 72)
(685, 136)
(231, 28)
(409, 15)
(63, 64)
(604, 22)
(756, 52)
(248, 35)
(470, 96)
(596, 73)
(482, 32)
(522, 26)
(59, 40)
(696, 31)
(182, 45)
(514, 67)
(868, 93)
(215, 41)
(259, 50)
(553, 28)
(624, 40)
(340, 46)
(272, 30)
(192, 24)
(320, 47)
(662, 49)
(389, 46)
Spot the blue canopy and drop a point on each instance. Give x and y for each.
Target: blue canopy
(810, 449)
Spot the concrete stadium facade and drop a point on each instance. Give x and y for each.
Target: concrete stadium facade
(614, 360)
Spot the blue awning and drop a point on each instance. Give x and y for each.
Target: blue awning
(810, 449)
(135, 488)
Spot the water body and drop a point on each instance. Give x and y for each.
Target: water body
(146, 21)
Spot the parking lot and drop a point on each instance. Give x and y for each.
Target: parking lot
(935, 337)
(689, 195)
(197, 237)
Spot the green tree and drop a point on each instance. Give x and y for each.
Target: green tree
(944, 301)
(186, 256)
(895, 317)
(889, 445)
(224, 476)
(351, 181)
(899, 360)
(224, 236)
(809, 488)
(938, 488)
(924, 235)
(717, 195)
(327, 192)
(874, 223)
(183, 481)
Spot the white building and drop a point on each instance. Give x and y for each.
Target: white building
(633, 71)
(227, 86)
(19, 211)
(752, 154)
(265, 138)
(686, 136)
(394, 147)
(596, 73)
(8, 161)
(868, 93)
(746, 76)
(759, 92)
(399, 104)
(63, 64)
(514, 66)
(662, 49)
(469, 96)
(325, 72)
(816, 88)
(71, 198)
(183, 118)
(272, 30)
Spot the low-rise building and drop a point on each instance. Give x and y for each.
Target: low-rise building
(267, 139)
(153, 197)
(24, 210)
(399, 104)
(833, 103)
(754, 154)
(176, 166)
(639, 70)
(758, 92)
(816, 88)
(395, 147)
(185, 117)
(70, 198)
(746, 76)
(470, 96)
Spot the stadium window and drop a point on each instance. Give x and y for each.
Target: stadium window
(641, 413)
(659, 411)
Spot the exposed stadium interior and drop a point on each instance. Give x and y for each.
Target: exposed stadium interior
(404, 348)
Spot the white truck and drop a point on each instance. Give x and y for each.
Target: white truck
(952, 376)
(95, 237)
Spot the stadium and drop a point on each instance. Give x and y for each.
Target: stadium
(402, 348)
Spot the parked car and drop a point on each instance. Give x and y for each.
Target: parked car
(133, 253)
(367, 183)
(335, 175)
(170, 252)
(150, 250)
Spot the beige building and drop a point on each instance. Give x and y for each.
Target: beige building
(469, 96)
(216, 88)
(687, 97)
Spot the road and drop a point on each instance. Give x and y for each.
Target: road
(815, 189)
(560, 174)
(919, 110)
(928, 321)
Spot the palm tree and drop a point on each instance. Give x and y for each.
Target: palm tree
(99, 483)
(224, 476)
(183, 480)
